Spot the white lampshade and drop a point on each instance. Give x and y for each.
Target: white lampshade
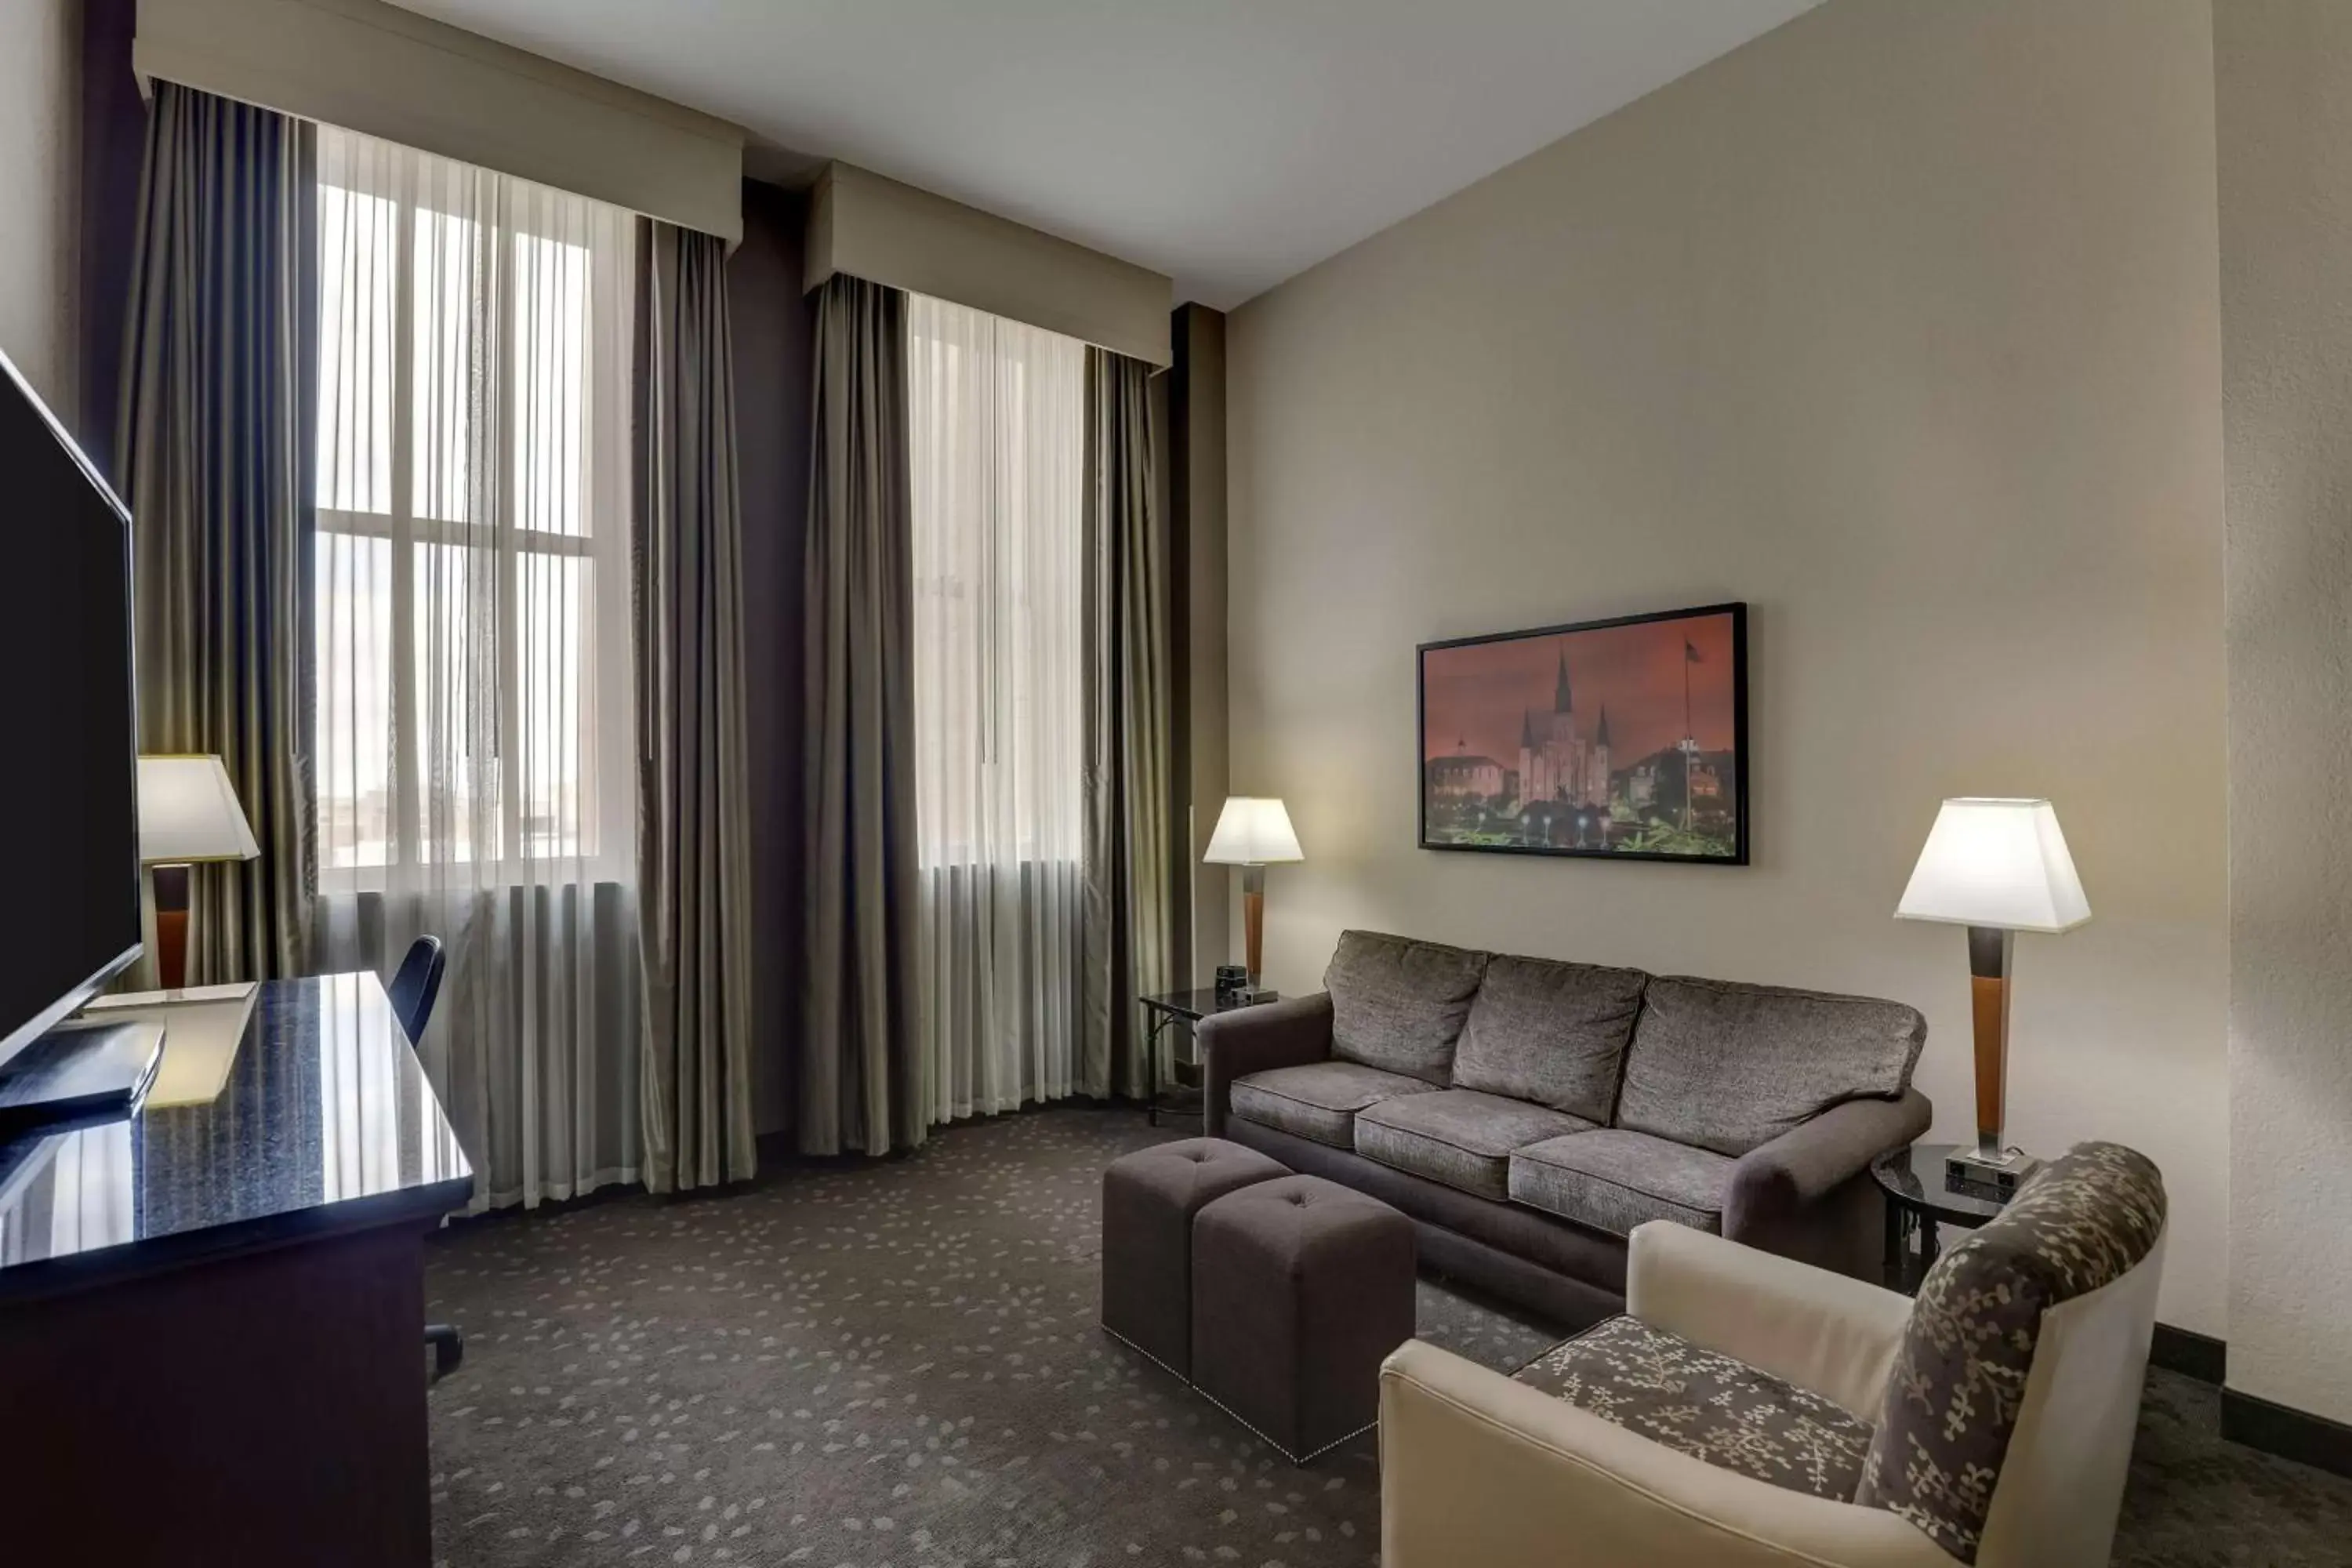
(1999, 863)
(188, 811)
(1251, 831)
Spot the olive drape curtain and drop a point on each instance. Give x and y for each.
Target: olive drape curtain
(217, 456)
(1130, 918)
(860, 1070)
(693, 782)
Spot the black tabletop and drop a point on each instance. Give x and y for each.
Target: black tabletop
(1915, 1178)
(325, 1123)
(1193, 1005)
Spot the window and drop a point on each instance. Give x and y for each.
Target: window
(996, 431)
(472, 567)
(995, 426)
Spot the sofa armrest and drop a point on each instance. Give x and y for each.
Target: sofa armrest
(1286, 1033)
(1820, 1330)
(1774, 1181)
(1476, 1468)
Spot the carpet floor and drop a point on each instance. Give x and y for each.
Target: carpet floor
(896, 1365)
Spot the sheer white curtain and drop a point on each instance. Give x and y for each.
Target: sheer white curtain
(996, 426)
(473, 690)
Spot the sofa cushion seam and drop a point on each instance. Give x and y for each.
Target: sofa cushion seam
(1294, 1099)
(1448, 1144)
(1624, 1185)
(1504, 1196)
(1294, 1132)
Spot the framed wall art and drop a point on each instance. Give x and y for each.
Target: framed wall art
(1624, 739)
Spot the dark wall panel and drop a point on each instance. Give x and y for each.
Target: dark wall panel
(771, 322)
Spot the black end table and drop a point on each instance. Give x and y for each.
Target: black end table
(1185, 1008)
(1916, 1199)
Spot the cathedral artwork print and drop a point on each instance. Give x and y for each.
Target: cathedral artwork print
(1626, 739)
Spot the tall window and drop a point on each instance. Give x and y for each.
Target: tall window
(472, 751)
(995, 426)
(996, 429)
(473, 677)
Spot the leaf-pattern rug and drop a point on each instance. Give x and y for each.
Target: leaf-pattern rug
(896, 1363)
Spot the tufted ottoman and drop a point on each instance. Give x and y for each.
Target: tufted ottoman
(1300, 1288)
(1148, 1201)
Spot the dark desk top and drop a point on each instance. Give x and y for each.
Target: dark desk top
(325, 1124)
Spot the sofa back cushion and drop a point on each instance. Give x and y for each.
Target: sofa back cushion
(1398, 1005)
(1729, 1067)
(1553, 1033)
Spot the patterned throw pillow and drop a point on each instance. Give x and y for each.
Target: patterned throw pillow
(1710, 1406)
(2081, 1223)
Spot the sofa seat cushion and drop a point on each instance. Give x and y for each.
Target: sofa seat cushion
(1318, 1101)
(1398, 1005)
(1614, 1180)
(1457, 1136)
(1551, 1033)
(1709, 1405)
(1731, 1066)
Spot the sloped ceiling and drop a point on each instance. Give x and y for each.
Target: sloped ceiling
(1230, 143)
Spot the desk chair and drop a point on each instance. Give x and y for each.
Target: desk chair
(412, 992)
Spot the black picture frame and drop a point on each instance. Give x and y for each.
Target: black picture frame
(1741, 825)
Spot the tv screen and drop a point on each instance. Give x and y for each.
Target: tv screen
(68, 755)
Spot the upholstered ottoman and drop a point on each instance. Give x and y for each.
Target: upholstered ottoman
(1148, 1201)
(1300, 1288)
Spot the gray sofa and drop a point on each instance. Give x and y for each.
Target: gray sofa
(1528, 1114)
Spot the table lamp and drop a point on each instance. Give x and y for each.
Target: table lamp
(1251, 832)
(187, 813)
(1997, 867)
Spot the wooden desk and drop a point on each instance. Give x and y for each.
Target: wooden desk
(211, 1315)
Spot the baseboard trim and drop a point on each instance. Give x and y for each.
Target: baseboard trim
(2189, 1353)
(2291, 1434)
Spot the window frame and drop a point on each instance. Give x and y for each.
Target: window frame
(1006, 600)
(404, 531)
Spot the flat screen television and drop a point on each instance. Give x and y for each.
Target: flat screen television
(68, 748)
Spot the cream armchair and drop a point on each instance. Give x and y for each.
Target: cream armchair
(1479, 1469)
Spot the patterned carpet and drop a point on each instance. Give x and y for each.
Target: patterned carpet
(896, 1366)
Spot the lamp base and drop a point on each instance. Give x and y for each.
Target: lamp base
(170, 925)
(1253, 920)
(1989, 1171)
(1994, 1177)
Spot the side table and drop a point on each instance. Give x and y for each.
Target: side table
(1917, 1200)
(1183, 1009)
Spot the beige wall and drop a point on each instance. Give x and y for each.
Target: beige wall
(40, 180)
(2283, 90)
(1902, 324)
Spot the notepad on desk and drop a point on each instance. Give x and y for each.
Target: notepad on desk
(202, 1026)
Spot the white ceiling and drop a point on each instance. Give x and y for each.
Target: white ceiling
(1228, 144)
